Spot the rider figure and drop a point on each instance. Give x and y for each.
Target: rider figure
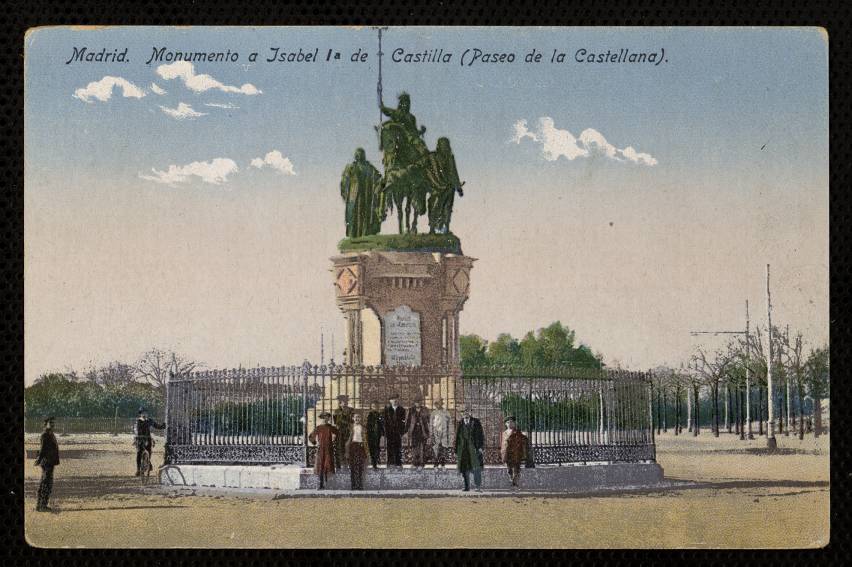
(143, 438)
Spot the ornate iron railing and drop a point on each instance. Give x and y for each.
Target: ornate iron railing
(262, 415)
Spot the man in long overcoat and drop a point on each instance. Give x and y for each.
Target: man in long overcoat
(470, 444)
(394, 430)
(417, 429)
(324, 436)
(343, 423)
(47, 459)
(375, 432)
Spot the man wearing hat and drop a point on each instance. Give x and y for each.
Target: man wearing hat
(375, 432)
(343, 423)
(417, 428)
(513, 450)
(47, 458)
(324, 436)
(440, 424)
(394, 430)
(356, 453)
(470, 444)
(143, 438)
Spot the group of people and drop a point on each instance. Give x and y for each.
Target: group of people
(343, 439)
(47, 457)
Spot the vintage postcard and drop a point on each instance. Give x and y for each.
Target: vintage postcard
(426, 287)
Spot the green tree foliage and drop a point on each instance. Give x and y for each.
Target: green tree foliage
(817, 373)
(473, 350)
(66, 395)
(554, 345)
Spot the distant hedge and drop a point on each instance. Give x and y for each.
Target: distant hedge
(57, 395)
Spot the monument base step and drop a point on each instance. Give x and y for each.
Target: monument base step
(547, 478)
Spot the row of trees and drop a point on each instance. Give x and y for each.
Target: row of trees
(116, 389)
(731, 383)
(554, 345)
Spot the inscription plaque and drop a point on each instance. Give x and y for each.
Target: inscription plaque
(402, 337)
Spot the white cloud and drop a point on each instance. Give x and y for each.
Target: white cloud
(276, 161)
(199, 83)
(555, 143)
(215, 171)
(102, 90)
(221, 105)
(157, 89)
(182, 111)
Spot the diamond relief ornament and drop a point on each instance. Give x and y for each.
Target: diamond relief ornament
(461, 281)
(346, 281)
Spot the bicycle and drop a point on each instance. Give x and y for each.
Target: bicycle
(145, 466)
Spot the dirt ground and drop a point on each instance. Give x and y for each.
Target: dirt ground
(739, 497)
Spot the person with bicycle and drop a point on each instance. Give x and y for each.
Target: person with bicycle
(142, 439)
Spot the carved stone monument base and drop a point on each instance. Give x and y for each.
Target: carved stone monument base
(402, 307)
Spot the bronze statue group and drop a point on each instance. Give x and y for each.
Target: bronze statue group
(351, 440)
(416, 181)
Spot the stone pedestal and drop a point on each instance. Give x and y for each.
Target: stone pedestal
(290, 479)
(401, 308)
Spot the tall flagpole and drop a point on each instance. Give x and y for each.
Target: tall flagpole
(771, 443)
(379, 84)
(747, 373)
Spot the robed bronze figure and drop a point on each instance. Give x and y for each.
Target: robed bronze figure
(416, 181)
(361, 190)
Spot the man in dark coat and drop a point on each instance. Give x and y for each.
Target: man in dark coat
(470, 444)
(324, 436)
(143, 439)
(375, 432)
(417, 429)
(343, 422)
(47, 458)
(394, 429)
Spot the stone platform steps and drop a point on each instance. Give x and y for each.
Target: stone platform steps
(566, 478)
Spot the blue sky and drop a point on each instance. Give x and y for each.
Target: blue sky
(626, 253)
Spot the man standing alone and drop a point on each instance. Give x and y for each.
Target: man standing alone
(394, 429)
(440, 424)
(513, 450)
(470, 443)
(48, 457)
(356, 453)
(375, 432)
(417, 428)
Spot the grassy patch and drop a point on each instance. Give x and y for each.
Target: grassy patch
(408, 242)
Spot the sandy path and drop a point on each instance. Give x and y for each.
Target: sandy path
(738, 489)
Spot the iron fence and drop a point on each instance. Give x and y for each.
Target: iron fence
(82, 425)
(262, 415)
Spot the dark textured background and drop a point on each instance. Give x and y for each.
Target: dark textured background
(22, 15)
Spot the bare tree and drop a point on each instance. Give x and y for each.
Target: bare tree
(156, 365)
(182, 367)
(795, 369)
(677, 385)
(113, 376)
(711, 370)
(659, 385)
